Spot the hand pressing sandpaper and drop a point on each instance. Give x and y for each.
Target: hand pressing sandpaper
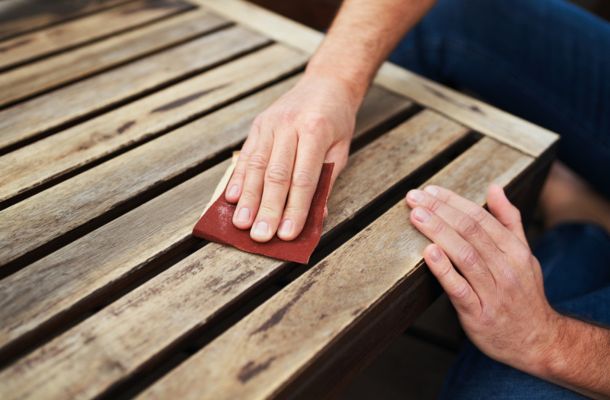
(216, 224)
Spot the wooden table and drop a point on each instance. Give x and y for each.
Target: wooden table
(118, 119)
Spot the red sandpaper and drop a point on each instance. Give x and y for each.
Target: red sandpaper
(216, 225)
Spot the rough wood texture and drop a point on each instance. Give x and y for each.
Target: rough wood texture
(63, 152)
(119, 339)
(65, 206)
(67, 67)
(28, 119)
(264, 352)
(20, 16)
(83, 30)
(486, 119)
(58, 283)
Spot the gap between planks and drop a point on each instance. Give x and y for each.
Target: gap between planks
(93, 265)
(95, 95)
(41, 15)
(481, 117)
(274, 346)
(71, 34)
(39, 77)
(116, 342)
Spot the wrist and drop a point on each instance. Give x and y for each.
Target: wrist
(353, 85)
(552, 359)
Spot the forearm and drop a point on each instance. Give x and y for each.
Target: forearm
(579, 358)
(361, 38)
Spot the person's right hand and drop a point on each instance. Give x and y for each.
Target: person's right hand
(280, 163)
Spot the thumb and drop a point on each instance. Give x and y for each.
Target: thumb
(505, 211)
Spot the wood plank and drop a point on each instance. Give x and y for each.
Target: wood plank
(119, 339)
(114, 252)
(264, 352)
(36, 164)
(516, 132)
(87, 29)
(20, 16)
(29, 119)
(63, 68)
(61, 208)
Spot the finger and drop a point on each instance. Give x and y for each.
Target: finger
(307, 168)
(236, 183)
(337, 154)
(256, 166)
(462, 223)
(498, 232)
(463, 255)
(505, 211)
(461, 294)
(276, 183)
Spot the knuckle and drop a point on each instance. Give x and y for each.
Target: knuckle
(468, 255)
(303, 180)
(268, 210)
(296, 213)
(468, 227)
(461, 291)
(315, 123)
(437, 227)
(257, 162)
(488, 315)
(278, 175)
(435, 204)
(249, 196)
(478, 214)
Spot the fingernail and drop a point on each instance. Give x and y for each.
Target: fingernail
(435, 255)
(234, 191)
(416, 196)
(433, 190)
(285, 227)
(243, 215)
(261, 229)
(421, 215)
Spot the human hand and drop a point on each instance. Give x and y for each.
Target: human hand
(279, 165)
(483, 262)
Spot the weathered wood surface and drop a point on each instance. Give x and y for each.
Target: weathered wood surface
(49, 288)
(72, 203)
(117, 341)
(516, 132)
(264, 352)
(63, 152)
(28, 119)
(70, 66)
(83, 30)
(20, 16)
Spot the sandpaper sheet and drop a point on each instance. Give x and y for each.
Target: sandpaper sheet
(216, 224)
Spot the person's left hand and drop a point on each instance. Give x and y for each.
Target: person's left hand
(485, 265)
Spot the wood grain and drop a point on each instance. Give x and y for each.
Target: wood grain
(260, 355)
(55, 211)
(20, 16)
(28, 119)
(63, 152)
(119, 339)
(73, 275)
(516, 132)
(83, 30)
(63, 68)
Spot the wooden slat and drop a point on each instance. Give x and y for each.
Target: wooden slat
(97, 26)
(28, 119)
(39, 294)
(264, 352)
(120, 339)
(20, 16)
(55, 211)
(63, 152)
(66, 67)
(477, 115)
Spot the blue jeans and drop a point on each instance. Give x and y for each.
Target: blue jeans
(546, 61)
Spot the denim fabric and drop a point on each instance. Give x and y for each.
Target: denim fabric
(575, 260)
(547, 61)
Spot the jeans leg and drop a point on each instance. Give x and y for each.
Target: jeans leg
(547, 61)
(575, 260)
